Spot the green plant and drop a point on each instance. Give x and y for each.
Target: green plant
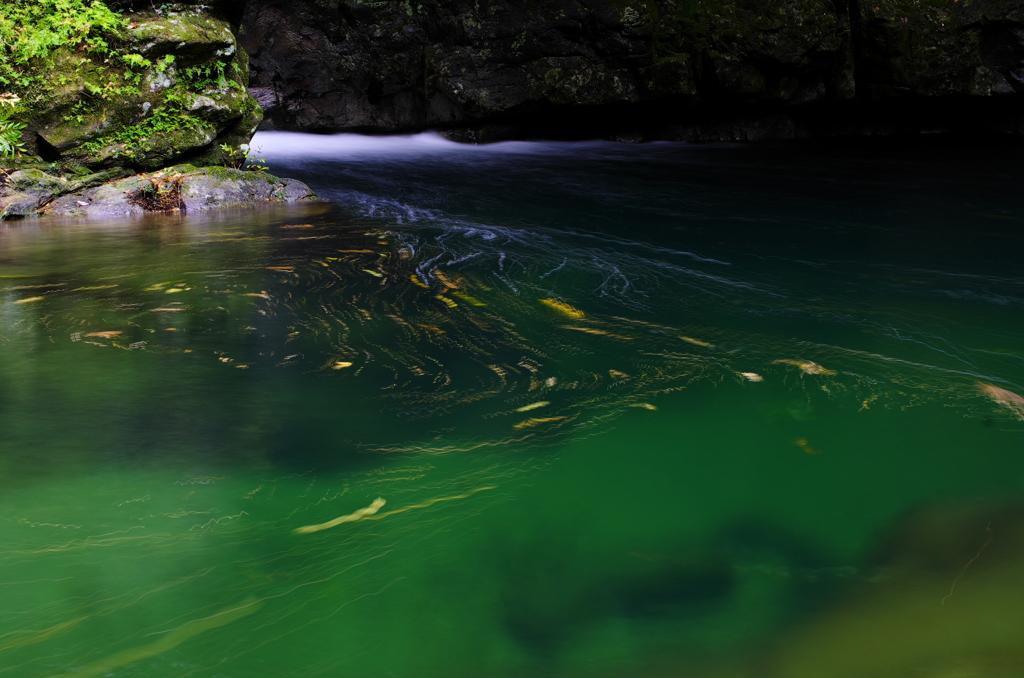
(31, 30)
(243, 157)
(10, 130)
(252, 160)
(234, 157)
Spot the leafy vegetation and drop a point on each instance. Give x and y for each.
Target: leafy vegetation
(10, 130)
(243, 157)
(30, 31)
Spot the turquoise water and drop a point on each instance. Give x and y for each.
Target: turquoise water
(530, 409)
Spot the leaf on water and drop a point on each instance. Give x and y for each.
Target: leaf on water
(807, 366)
(533, 406)
(154, 310)
(696, 342)
(29, 300)
(374, 506)
(751, 376)
(340, 365)
(175, 290)
(535, 421)
(1008, 399)
(375, 274)
(105, 335)
(563, 307)
(261, 295)
(615, 374)
(646, 406)
(450, 284)
(467, 298)
(298, 226)
(416, 281)
(446, 300)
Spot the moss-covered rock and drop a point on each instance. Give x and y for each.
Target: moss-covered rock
(169, 85)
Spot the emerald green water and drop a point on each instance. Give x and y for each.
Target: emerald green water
(656, 410)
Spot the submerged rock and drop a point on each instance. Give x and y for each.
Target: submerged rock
(183, 187)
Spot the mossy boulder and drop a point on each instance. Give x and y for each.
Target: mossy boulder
(172, 86)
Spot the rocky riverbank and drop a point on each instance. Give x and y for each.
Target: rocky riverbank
(117, 192)
(105, 91)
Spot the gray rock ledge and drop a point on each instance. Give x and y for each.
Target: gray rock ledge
(187, 188)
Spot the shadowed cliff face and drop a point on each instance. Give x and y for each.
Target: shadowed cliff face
(675, 69)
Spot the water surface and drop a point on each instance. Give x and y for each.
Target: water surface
(585, 410)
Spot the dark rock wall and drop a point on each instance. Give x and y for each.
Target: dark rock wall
(682, 69)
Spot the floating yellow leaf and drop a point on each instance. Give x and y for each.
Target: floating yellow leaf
(806, 365)
(350, 518)
(588, 330)
(594, 330)
(416, 281)
(341, 364)
(105, 335)
(375, 274)
(467, 298)
(563, 307)
(646, 406)
(446, 300)
(1008, 399)
(696, 342)
(29, 300)
(450, 284)
(751, 376)
(534, 421)
(532, 406)
(298, 226)
(615, 374)
(261, 295)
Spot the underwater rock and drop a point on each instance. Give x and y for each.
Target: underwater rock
(948, 600)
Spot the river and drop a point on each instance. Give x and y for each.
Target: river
(529, 409)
